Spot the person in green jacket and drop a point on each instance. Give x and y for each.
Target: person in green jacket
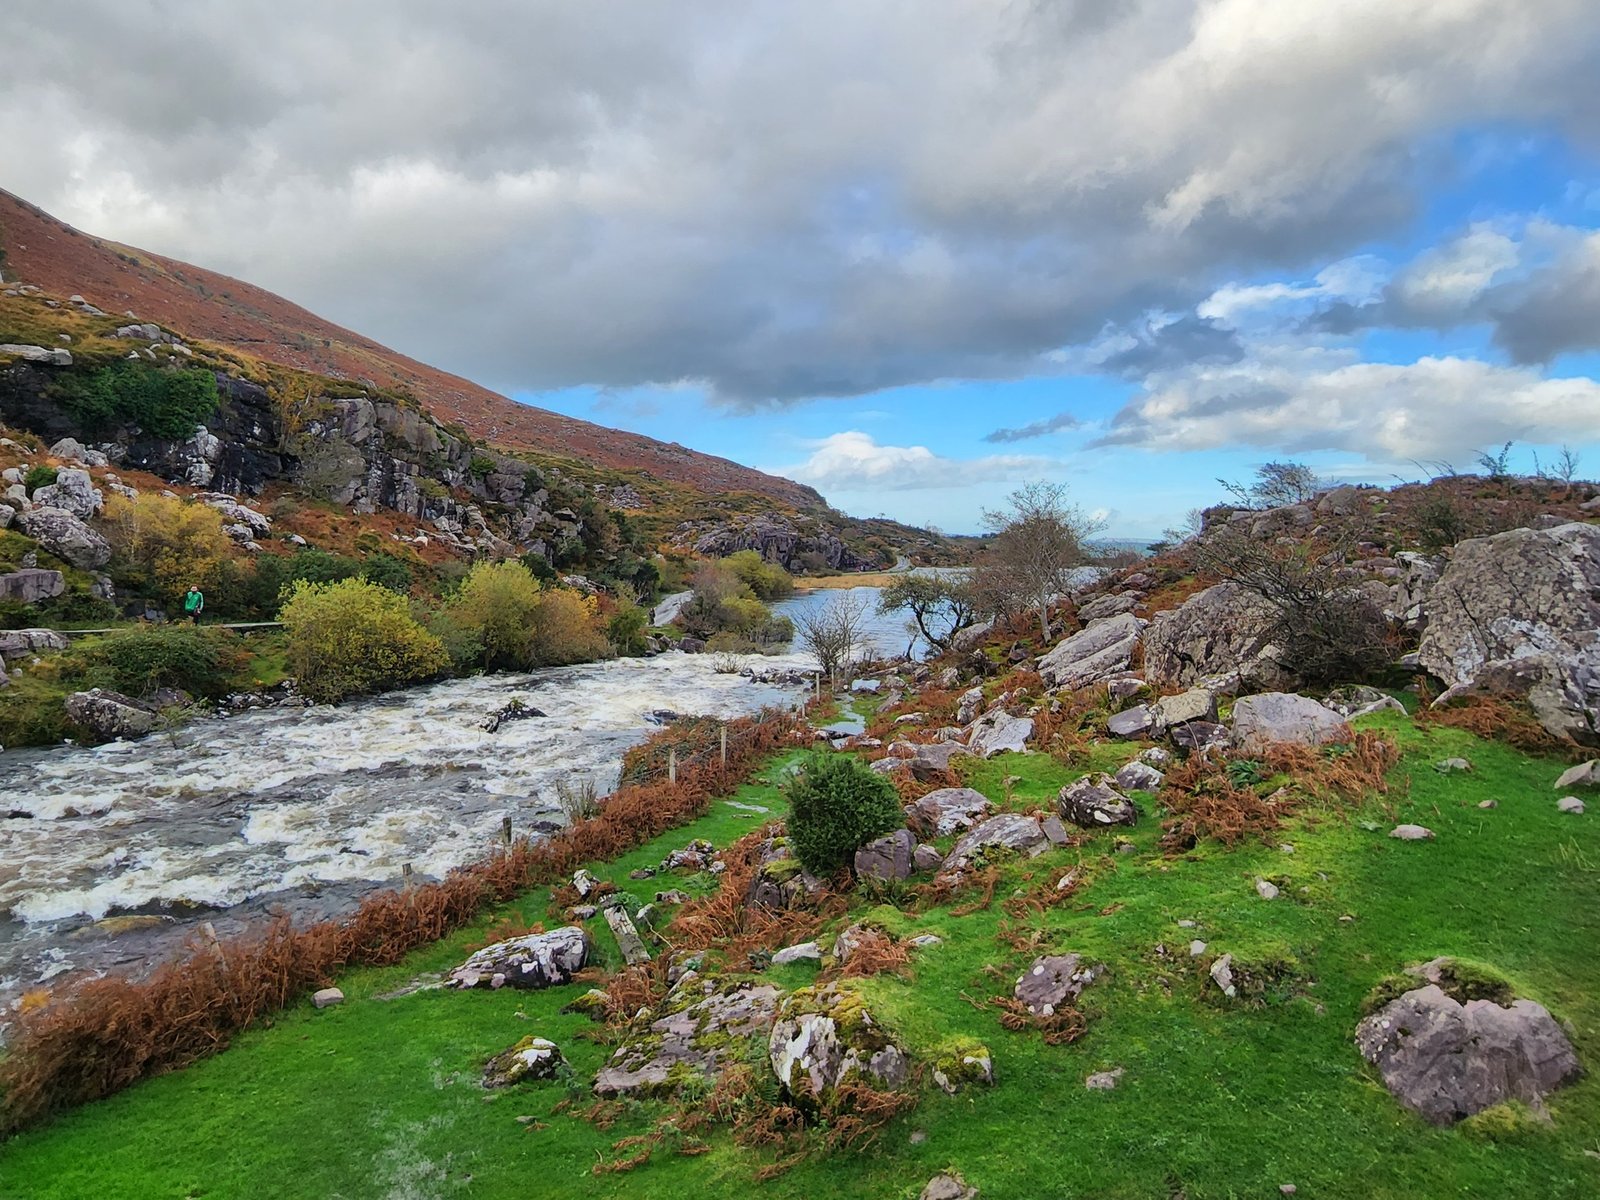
(193, 603)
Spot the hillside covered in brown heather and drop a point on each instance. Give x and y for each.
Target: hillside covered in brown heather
(43, 250)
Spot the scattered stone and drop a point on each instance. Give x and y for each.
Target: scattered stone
(535, 960)
(804, 952)
(1411, 833)
(1092, 802)
(1155, 756)
(634, 952)
(1054, 831)
(886, 858)
(1139, 777)
(533, 1058)
(1570, 804)
(696, 856)
(1266, 889)
(1051, 981)
(1446, 1060)
(780, 881)
(1226, 628)
(1583, 775)
(1222, 975)
(948, 1187)
(1196, 948)
(327, 997)
(514, 710)
(1196, 704)
(1103, 1081)
(1488, 804)
(927, 858)
(1446, 765)
(947, 811)
(964, 1067)
(1197, 737)
(924, 940)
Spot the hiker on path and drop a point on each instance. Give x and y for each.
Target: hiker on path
(194, 603)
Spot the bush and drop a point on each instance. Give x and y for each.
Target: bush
(163, 545)
(499, 602)
(566, 630)
(836, 806)
(138, 662)
(166, 403)
(767, 580)
(353, 637)
(626, 628)
(37, 477)
(385, 570)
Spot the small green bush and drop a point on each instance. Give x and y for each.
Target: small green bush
(138, 662)
(165, 402)
(385, 570)
(354, 637)
(836, 806)
(38, 476)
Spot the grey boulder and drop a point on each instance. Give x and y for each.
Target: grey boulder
(947, 811)
(1096, 652)
(73, 491)
(1092, 802)
(109, 715)
(31, 585)
(65, 536)
(1446, 1060)
(1226, 628)
(707, 1023)
(1015, 833)
(997, 733)
(822, 1038)
(1283, 717)
(533, 1058)
(1051, 981)
(886, 858)
(535, 960)
(1139, 777)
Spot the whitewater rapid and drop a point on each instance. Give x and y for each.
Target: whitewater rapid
(304, 811)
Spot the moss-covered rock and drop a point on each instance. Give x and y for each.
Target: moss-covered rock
(825, 1036)
(704, 1024)
(531, 1059)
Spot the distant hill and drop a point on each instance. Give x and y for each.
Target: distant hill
(45, 251)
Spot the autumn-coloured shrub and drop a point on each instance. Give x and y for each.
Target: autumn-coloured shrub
(162, 545)
(354, 637)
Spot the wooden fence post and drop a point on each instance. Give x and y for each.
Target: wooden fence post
(672, 766)
(724, 747)
(505, 831)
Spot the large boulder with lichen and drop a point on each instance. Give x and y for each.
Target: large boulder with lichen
(703, 1025)
(825, 1037)
(1519, 613)
(535, 960)
(1101, 649)
(780, 881)
(1454, 1045)
(68, 538)
(1225, 630)
(947, 810)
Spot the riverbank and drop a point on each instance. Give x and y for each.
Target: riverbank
(1209, 1096)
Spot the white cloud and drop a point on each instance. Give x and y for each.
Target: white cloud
(1448, 279)
(1352, 280)
(853, 461)
(1435, 408)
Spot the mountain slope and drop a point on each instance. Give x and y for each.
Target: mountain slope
(43, 250)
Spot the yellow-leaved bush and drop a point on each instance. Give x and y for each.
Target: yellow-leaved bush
(167, 543)
(520, 624)
(353, 637)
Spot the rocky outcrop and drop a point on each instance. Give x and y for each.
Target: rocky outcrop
(706, 1023)
(778, 540)
(997, 733)
(824, 1037)
(1446, 1060)
(536, 960)
(1273, 717)
(65, 536)
(1520, 612)
(1099, 651)
(72, 491)
(31, 585)
(1005, 833)
(887, 858)
(780, 881)
(1224, 629)
(18, 645)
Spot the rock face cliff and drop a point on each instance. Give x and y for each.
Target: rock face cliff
(229, 312)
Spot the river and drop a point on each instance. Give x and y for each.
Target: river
(304, 811)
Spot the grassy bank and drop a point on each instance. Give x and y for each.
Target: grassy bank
(380, 1097)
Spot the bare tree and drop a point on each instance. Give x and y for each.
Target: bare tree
(835, 633)
(1039, 540)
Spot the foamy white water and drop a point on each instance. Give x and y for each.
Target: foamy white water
(306, 810)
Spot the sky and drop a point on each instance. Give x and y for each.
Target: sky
(915, 253)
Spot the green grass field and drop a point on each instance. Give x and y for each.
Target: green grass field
(381, 1098)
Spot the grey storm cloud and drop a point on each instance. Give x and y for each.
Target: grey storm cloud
(1189, 339)
(1035, 429)
(770, 200)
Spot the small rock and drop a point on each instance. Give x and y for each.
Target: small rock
(948, 1187)
(1585, 774)
(1266, 889)
(1446, 765)
(804, 952)
(327, 997)
(1570, 804)
(1222, 975)
(1103, 1081)
(1411, 833)
(1488, 804)
(1196, 948)
(1288, 1189)
(1051, 981)
(530, 1059)
(923, 940)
